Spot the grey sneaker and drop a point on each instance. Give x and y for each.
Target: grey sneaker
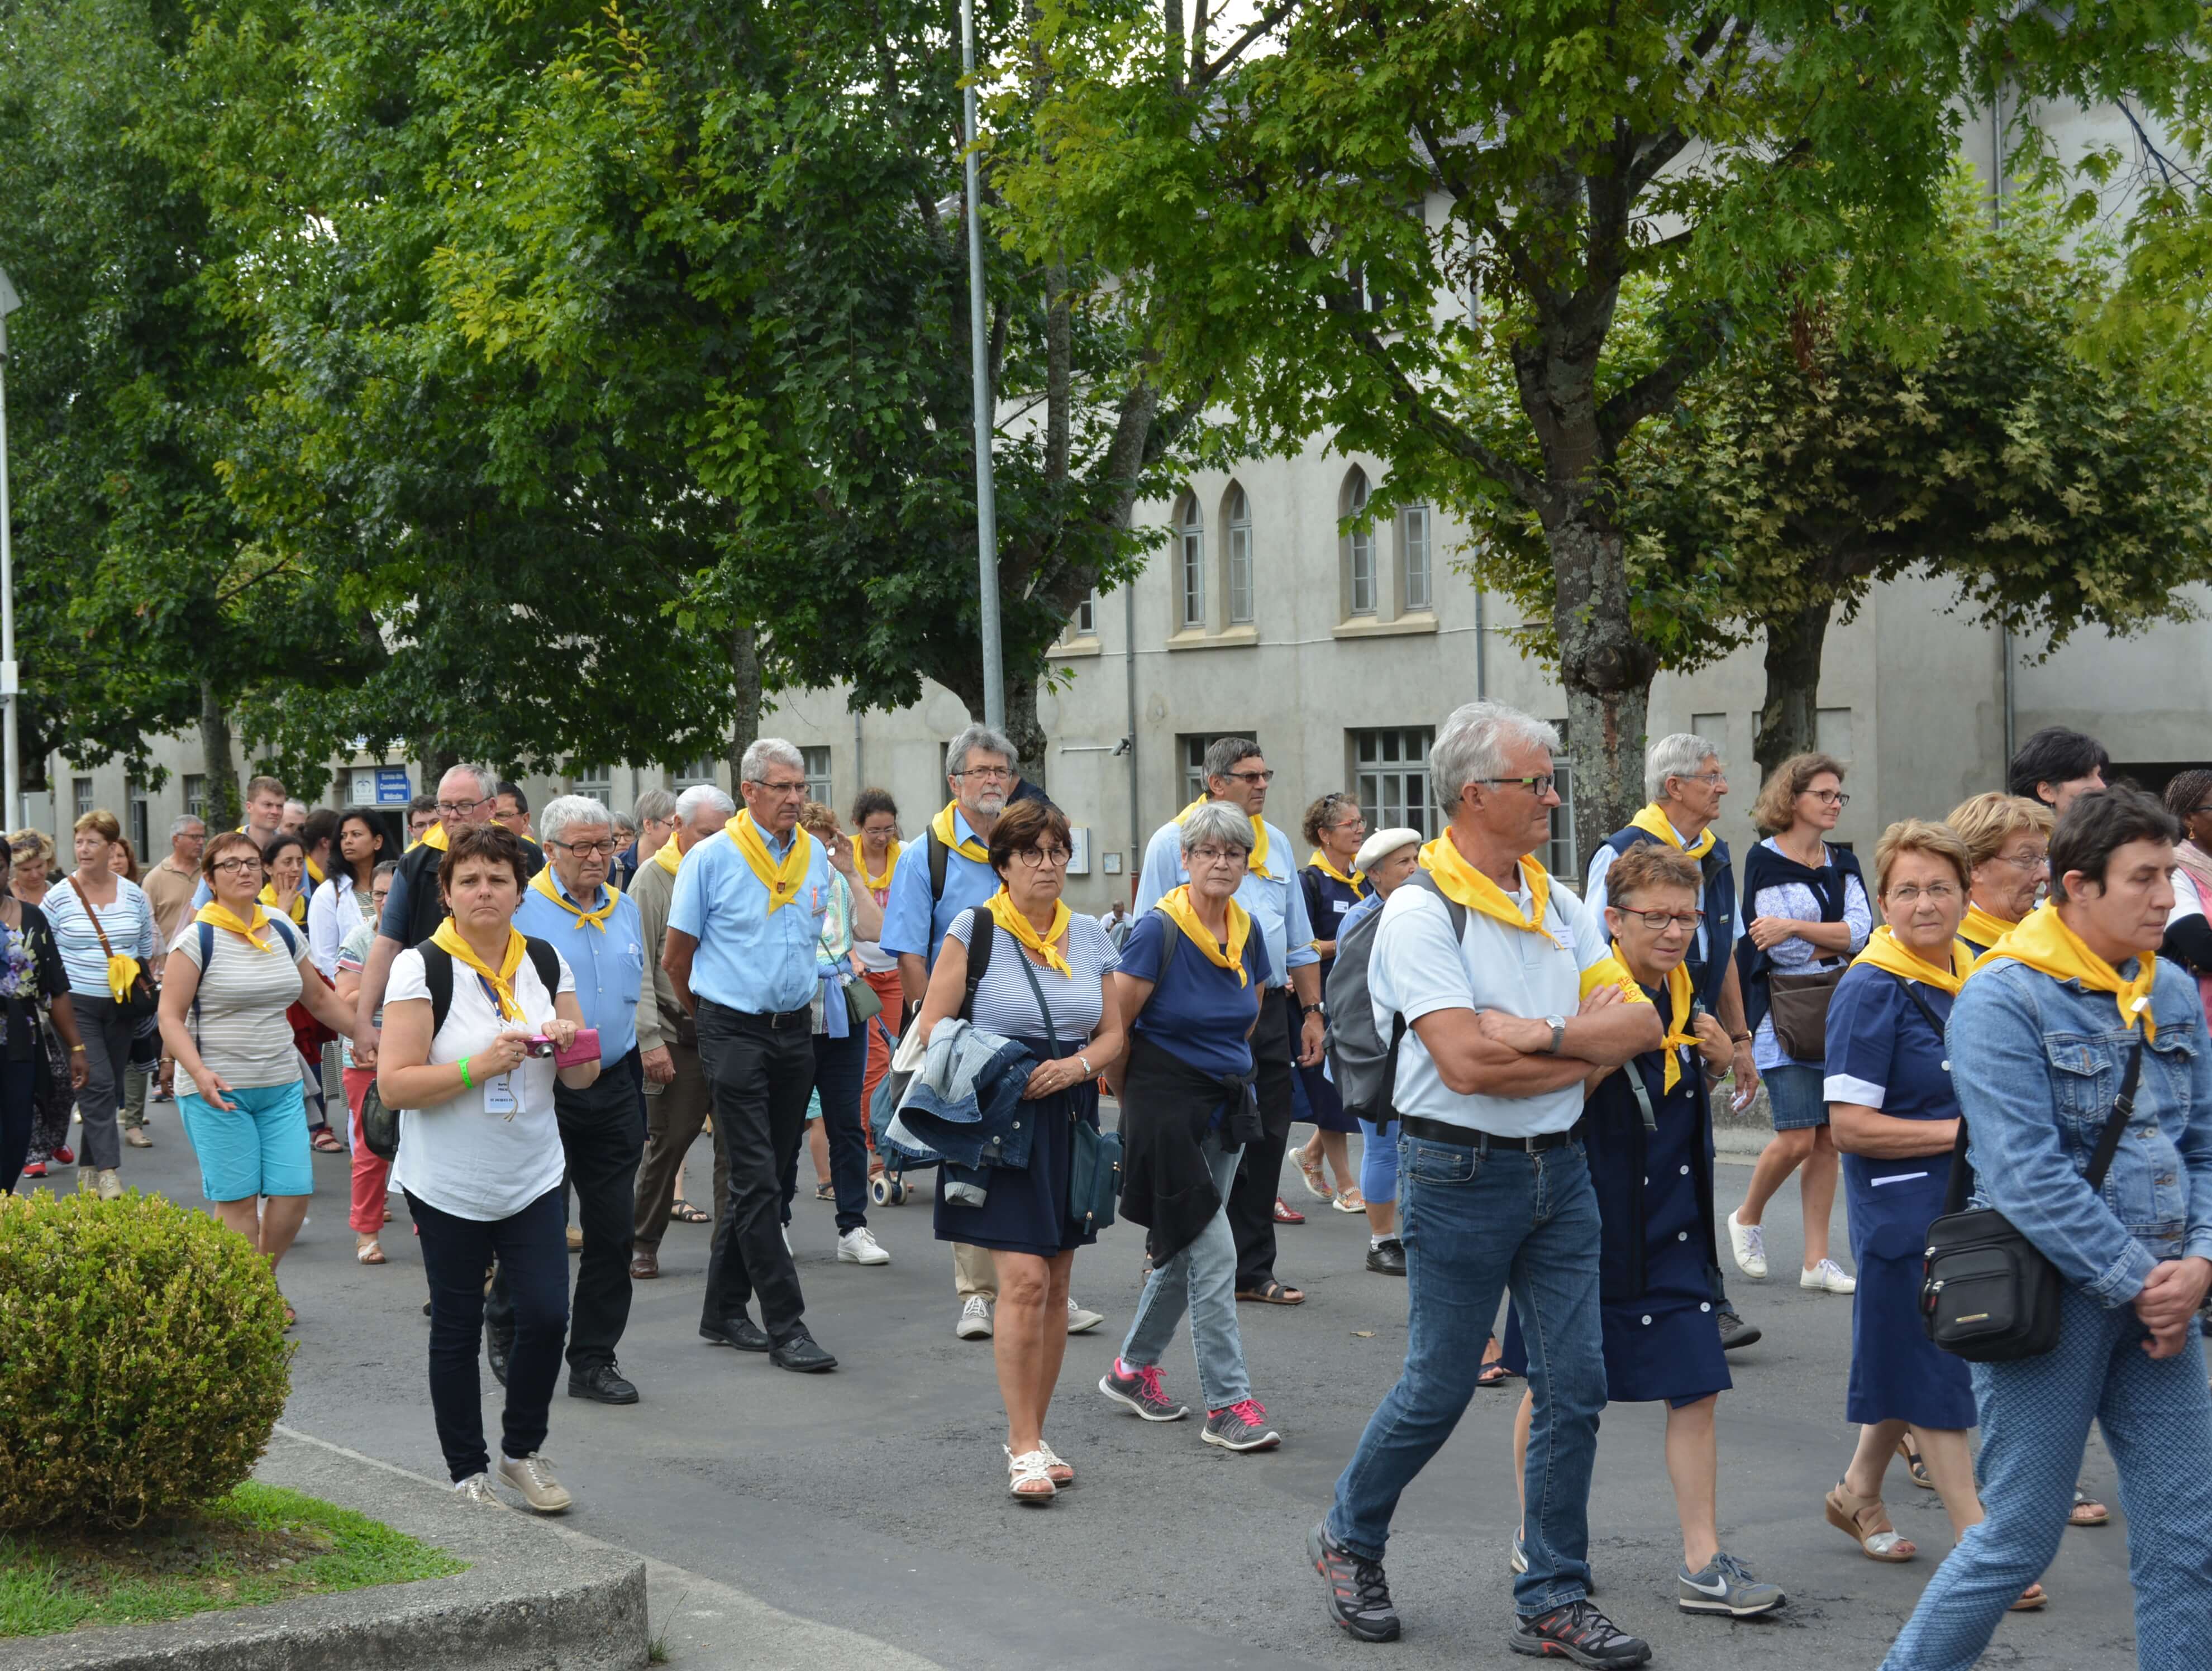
(974, 1322)
(1140, 1390)
(477, 1489)
(533, 1477)
(1726, 1586)
(1242, 1426)
(1081, 1319)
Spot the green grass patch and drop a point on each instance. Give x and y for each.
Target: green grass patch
(257, 1545)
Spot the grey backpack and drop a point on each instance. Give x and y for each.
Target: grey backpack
(1364, 1063)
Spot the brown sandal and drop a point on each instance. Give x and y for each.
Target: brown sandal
(1865, 1522)
(2086, 1510)
(2032, 1599)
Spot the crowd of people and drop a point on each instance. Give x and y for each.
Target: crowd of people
(556, 1010)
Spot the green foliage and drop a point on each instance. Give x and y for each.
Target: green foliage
(145, 1360)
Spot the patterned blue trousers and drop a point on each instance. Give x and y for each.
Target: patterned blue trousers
(2035, 1415)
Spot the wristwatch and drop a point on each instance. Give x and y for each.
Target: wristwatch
(1558, 1023)
(1321, 1010)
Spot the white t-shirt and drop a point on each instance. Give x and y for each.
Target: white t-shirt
(1415, 969)
(456, 1156)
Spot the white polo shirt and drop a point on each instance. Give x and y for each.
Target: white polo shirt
(1415, 969)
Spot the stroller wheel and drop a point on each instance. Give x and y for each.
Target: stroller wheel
(879, 1189)
(899, 1193)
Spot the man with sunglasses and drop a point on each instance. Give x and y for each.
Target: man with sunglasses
(1238, 773)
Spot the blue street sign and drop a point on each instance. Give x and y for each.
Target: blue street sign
(392, 788)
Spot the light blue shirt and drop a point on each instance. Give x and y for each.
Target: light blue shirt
(912, 923)
(1276, 904)
(749, 958)
(608, 968)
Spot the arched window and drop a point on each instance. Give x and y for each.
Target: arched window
(1414, 591)
(1237, 513)
(1190, 563)
(1359, 547)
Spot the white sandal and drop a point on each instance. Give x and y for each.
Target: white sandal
(1052, 1460)
(1028, 1469)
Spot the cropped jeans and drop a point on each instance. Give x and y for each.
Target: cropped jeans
(1202, 1280)
(1474, 1222)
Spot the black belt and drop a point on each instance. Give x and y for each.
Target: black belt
(777, 1018)
(1466, 1137)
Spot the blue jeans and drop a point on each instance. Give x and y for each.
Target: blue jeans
(2157, 1417)
(1202, 1280)
(1473, 1224)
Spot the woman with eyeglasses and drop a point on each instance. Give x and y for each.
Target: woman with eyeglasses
(1805, 912)
(1333, 884)
(1045, 987)
(1895, 1116)
(2007, 841)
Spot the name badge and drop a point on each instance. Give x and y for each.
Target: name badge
(1342, 906)
(499, 1096)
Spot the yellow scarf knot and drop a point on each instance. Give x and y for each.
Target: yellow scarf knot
(1356, 881)
(542, 883)
(2046, 944)
(1179, 910)
(1682, 998)
(782, 880)
(297, 910)
(876, 884)
(502, 979)
(1885, 952)
(1469, 886)
(1654, 822)
(967, 846)
(1257, 864)
(1046, 946)
(223, 917)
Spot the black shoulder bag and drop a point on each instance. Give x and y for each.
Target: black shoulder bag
(1987, 1293)
(1094, 1172)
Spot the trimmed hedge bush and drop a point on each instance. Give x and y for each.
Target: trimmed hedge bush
(143, 1360)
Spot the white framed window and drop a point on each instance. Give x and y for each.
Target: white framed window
(818, 772)
(1359, 547)
(140, 823)
(1563, 859)
(1238, 514)
(1414, 591)
(196, 796)
(1190, 564)
(704, 769)
(596, 782)
(1390, 775)
(81, 795)
(1085, 622)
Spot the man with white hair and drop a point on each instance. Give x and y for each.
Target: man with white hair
(1684, 777)
(743, 927)
(571, 906)
(413, 910)
(1512, 998)
(675, 1085)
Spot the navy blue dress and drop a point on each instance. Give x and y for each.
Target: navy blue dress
(1313, 1093)
(1883, 1054)
(1655, 1195)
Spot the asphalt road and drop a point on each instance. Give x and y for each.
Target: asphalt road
(873, 1499)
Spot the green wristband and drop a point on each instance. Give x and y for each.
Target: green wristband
(465, 1080)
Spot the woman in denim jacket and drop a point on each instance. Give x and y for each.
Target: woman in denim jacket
(2039, 1039)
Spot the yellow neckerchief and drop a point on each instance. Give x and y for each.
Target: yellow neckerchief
(543, 882)
(878, 883)
(503, 978)
(1178, 910)
(1653, 822)
(314, 874)
(1461, 881)
(968, 848)
(1002, 907)
(1681, 995)
(1355, 881)
(1257, 864)
(298, 908)
(2046, 944)
(668, 856)
(223, 917)
(1981, 928)
(435, 836)
(784, 880)
(1885, 952)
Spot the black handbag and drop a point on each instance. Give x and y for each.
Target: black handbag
(1094, 1171)
(1987, 1293)
(379, 1126)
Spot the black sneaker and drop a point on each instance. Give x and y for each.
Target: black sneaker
(1140, 1390)
(1358, 1594)
(1387, 1258)
(1734, 1332)
(603, 1383)
(1577, 1631)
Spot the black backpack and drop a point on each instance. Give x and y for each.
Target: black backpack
(1365, 1064)
(379, 1126)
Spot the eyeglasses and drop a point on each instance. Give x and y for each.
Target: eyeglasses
(237, 867)
(2025, 861)
(1539, 786)
(988, 773)
(1260, 778)
(1936, 893)
(1038, 858)
(1218, 855)
(461, 809)
(1657, 921)
(1703, 777)
(604, 849)
(1351, 826)
(1830, 796)
(798, 789)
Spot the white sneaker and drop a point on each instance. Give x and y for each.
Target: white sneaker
(857, 1247)
(1081, 1319)
(1748, 1243)
(788, 1248)
(974, 1322)
(532, 1475)
(107, 1185)
(477, 1489)
(1829, 1277)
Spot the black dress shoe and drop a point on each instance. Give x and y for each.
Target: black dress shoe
(740, 1332)
(602, 1384)
(1388, 1257)
(1734, 1332)
(496, 1354)
(801, 1353)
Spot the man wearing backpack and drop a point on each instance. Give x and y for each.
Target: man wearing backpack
(1504, 1020)
(954, 876)
(1363, 1060)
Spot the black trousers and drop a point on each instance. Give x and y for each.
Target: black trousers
(530, 1246)
(604, 1138)
(18, 1108)
(759, 1071)
(1259, 1175)
(840, 1064)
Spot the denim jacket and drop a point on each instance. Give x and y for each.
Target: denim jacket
(2038, 1063)
(964, 1106)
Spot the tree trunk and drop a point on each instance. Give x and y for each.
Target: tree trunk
(745, 677)
(223, 803)
(1024, 731)
(1607, 675)
(1789, 722)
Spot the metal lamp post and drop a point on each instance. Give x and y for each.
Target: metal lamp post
(987, 515)
(10, 302)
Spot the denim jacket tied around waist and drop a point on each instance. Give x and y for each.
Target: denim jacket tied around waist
(2038, 1063)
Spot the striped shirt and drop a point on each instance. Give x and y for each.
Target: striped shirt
(130, 925)
(243, 1033)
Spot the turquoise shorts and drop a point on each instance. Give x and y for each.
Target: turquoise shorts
(258, 1148)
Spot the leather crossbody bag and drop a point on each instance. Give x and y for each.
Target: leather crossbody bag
(1094, 1172)
(1987, 1293)
(143, 999)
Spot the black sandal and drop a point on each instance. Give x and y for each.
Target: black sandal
(825, 1192)
(682, 1212)
(1914, 1465)
(1271, 1292)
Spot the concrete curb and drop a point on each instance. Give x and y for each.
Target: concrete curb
(532, 1599)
